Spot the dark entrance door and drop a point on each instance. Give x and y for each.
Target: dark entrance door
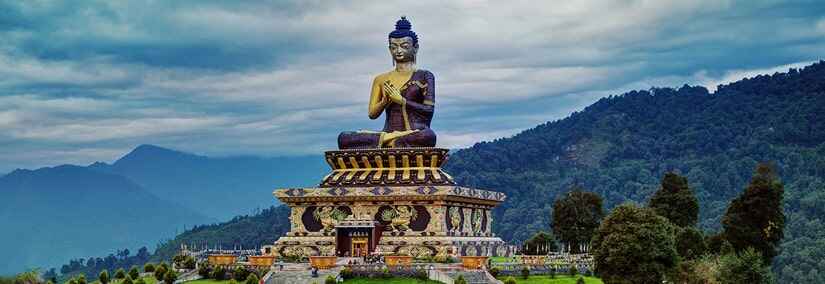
(354, 241)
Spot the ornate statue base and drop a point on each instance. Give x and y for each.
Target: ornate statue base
(389, 202)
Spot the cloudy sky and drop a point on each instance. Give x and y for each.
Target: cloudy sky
(85, 81)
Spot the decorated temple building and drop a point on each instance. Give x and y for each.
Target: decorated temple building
(394, 201)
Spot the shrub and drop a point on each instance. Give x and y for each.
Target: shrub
(219, 273)
(494, 271)
(134, 273)
(127, 280)
(232, 281)
(580, 281)
(120, 274)
(140, 281)
(385, 273)
(240, 274)
(460, 280)
(160, 271)
(552, 272)
(690, 243)
(745, 267)
(81, 279)
(189, 263)
(170, 277)
(103, 277)
(252, 279)
(148, 267)
(510, 280)
(525, 272)
(346, 273)
(573, 271)
(329, 280)
(421, 274)
(204, 271)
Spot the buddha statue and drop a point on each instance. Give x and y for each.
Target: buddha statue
(405, 94)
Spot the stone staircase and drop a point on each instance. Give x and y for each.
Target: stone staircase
(472, 276)
(299, 273)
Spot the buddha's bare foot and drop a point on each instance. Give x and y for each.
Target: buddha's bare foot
(388, 138)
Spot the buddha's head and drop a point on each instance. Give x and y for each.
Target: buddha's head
(403, 42)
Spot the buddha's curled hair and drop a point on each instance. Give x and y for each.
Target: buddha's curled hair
(403, 28)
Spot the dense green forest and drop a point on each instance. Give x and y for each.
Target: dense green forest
(248, 231)
(621, 146)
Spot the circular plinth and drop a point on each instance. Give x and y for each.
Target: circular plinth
(387, 166)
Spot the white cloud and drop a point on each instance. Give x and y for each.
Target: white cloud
(98, 130)
(820, 26)
(735, 75)
(286, 77)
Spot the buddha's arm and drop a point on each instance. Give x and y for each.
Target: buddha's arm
(377, 99)
(428, 104)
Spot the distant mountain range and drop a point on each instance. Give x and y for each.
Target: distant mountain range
(50, 215)
(220, 188)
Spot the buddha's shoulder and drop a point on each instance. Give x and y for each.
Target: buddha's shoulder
(425, 73)
(383, 76)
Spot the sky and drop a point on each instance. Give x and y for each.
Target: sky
(86, 81)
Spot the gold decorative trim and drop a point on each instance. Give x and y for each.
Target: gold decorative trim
(402, 166)
(404, 114)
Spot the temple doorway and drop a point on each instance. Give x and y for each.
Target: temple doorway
(355, 238)
(360, 246)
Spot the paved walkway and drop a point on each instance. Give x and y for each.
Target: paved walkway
(300, 273)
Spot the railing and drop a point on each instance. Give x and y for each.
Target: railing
(514, 269)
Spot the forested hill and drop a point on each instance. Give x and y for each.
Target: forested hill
(621, 146)
(248, 231)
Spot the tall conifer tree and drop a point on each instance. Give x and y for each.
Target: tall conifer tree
(755, 218)
(675, 201)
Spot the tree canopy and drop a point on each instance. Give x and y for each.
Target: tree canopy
(634, 245)
(755, 218)
(576, 216)
(675, 201)
(539, 244)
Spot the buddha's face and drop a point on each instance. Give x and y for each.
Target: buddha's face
(402, 49)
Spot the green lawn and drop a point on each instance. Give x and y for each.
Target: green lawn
(560, 279)
(206, 281)
(147, 279)
(391, 281)
(500, 259)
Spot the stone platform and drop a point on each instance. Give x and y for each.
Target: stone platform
(391, 202)
(386, 166)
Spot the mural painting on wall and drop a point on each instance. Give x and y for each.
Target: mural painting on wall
(398, 217)
(455, 218)
(299, 251)
(476, 217)
(416, 251)
(324, 218)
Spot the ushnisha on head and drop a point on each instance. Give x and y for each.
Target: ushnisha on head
(403, 42)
